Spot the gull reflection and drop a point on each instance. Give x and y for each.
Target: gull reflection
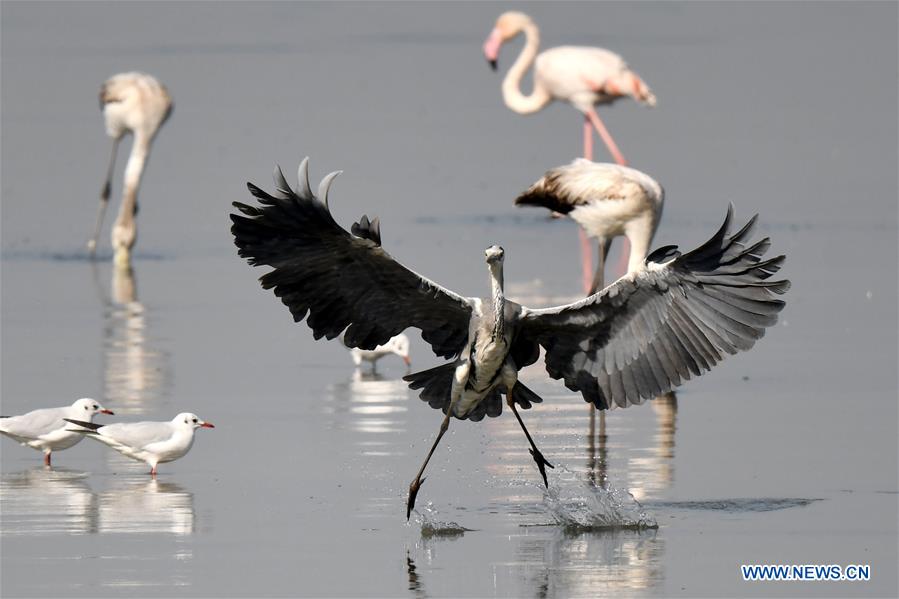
(376, 406)
(47, 500)
(136, 376)
(149, 506)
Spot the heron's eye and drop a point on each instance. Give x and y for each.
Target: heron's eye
(195, 419)
(96, 407)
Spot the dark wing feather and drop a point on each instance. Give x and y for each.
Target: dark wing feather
(341, 281)
(652, 330)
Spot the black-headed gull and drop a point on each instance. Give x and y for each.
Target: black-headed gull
(45, 429)
(398, 345)
(151, 442)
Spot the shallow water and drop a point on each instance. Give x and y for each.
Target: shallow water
(786, 454)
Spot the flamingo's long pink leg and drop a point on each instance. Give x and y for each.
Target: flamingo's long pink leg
(46, 459)
(586, 250)
(606, 137)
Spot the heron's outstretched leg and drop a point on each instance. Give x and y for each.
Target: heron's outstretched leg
(418, 480)
(606, 137)
(535, 453)
(104, 200)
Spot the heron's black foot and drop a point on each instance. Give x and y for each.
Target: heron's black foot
(413, 492)
(541, 464)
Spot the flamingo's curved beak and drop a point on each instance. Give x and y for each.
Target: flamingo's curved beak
(491, 47)
(105, 411)
(407, 360)
(207, 425)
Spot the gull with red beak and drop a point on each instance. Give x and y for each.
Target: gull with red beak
(45, 429)
(151, 442)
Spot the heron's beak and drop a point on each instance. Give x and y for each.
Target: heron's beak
(491, 47)
(207, 425)
(105, 411)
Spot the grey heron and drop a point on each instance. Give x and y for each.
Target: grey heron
(646, 333)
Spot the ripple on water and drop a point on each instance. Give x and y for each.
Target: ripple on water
(430, 526)
(745, 504)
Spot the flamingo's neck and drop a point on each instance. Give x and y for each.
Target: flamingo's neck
(124, 231)
(498, 300)
(512, 95)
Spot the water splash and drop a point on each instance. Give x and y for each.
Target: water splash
(578, 504)
(431, 527)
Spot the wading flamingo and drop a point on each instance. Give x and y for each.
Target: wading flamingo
(580, 75)
(606, 200)
(133, 103)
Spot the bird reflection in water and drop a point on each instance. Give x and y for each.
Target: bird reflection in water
(588, 564)
(47, 501)
(653, 472)
(147, 506)
(376, 405)
(136, 375)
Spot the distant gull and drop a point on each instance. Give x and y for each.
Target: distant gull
(151, 442)
(398, 345)
(45, 429)
(646, 333)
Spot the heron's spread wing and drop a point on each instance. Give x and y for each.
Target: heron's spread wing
(342, 281)
(653, 329)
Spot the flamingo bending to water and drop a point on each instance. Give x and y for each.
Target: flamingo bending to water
(606, 200)
(133, 103)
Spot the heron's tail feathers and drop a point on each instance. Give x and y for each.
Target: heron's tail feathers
(437, 385)
(524, 396)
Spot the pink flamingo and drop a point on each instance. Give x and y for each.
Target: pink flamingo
(582, 76)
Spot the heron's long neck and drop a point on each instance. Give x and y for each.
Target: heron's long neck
(498, 301)
(512, 95)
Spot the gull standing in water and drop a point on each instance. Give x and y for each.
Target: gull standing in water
(45, 429)
(151, 442)
(646, 333)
